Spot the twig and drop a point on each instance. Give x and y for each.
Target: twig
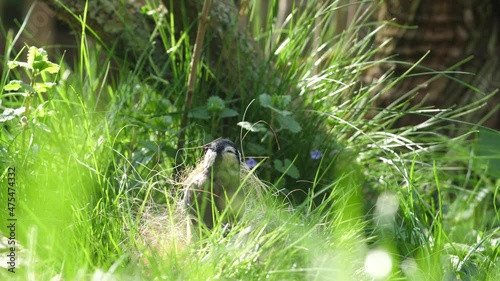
(192, 74)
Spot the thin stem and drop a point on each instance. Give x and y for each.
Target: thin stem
(192, 74)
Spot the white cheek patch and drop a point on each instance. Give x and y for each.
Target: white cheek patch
(230, 149)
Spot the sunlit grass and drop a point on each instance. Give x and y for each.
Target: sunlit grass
(97, 194)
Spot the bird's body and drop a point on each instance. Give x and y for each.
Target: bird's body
(216, 184)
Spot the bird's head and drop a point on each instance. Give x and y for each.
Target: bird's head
(222, 155)
(222, 161)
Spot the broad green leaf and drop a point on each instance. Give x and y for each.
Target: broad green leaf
(488, 151)
(28, 88)
(215, 104)
(281, 101)
(13, 85)
(14, 64)
(255, 127)
(46, 66)
(6, 117)
(199, 113)
(267, 101)
(287, 122)
(287, 167)
(42, 87)
(228, 112)
(282, 112)
(10, 113)
(32, 54)
(36, 55)
(286, 99)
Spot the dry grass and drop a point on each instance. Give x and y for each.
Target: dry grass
(166, 228)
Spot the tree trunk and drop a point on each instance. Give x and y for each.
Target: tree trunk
(450, 31)
(121, 25)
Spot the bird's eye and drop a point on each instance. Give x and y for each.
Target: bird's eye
(205, 148)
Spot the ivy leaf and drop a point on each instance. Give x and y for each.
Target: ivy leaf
(289, 123)
(227, 112)
(287, 167)
(252, 127)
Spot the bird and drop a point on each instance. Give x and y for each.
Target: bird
(215, 183)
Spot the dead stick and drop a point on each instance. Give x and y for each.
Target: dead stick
(200, 35)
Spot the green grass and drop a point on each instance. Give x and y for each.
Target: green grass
(97, 197)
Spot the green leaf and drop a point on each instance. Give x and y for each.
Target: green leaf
(46, 66)
(285, 101)
(252, 127)
(488, 152)
(199, 113)
(36, 55)
(32, 51)
(42, 87)
(287, 167)
(267, 101)
(228, 112)
(281, 101)
(14, 64)
(10, 113)
(289, 123)
(215, 104)
(13, 85)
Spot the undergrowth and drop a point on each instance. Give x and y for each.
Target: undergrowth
(346, 198)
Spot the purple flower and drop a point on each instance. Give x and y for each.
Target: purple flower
(316, 154)
(250, 162)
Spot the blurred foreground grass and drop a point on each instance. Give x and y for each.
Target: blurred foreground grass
(95, 183)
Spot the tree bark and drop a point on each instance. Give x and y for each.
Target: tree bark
(120, 25)
(117, 25)
(450, 31)
(232, 53)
